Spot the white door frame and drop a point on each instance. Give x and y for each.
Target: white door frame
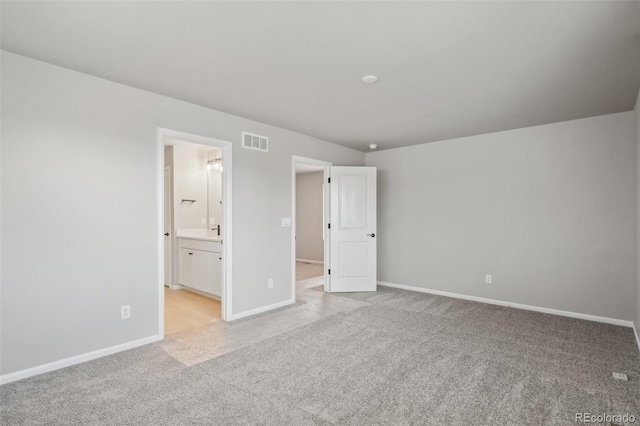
(227, 240)
(168, 169)
(295, 159)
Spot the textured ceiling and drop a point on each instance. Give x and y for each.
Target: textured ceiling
(446, 69)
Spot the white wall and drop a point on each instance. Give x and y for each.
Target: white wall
(636, 115)
(547, 210)
(190, 183)
(309, 227)
(86, 149)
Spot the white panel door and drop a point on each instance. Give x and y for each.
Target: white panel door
(353, 229)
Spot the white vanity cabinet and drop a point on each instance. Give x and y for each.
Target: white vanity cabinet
(193, 268)
(200, 265)
(214, 268)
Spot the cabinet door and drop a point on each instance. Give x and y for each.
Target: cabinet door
(186, 263)
(199, 270)
(214, 274)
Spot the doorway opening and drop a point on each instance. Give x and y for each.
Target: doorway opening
(310, 234)
(195, 220)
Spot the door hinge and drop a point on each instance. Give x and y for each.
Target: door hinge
(329, 180)
(328, 226)
(329, 271)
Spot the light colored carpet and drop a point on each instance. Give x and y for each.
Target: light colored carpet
(395, 358)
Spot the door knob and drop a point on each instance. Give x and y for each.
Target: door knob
(371, 235)
(166, 234)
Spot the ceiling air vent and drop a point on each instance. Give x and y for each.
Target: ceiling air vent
(251, 141)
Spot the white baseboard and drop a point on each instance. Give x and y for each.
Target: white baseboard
(201, 293)
(319, 262)
(262, 309)
(176, 287)
(78, 359)
(635, 332)
(613, 321)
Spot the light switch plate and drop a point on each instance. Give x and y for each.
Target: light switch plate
(286, 222)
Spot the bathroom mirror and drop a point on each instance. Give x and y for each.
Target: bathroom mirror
(214, 189)
(196, 177)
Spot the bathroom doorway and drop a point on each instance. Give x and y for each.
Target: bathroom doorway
(310, 236)
(195, 217)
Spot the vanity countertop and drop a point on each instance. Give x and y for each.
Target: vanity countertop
(201, 237)
(197, 236)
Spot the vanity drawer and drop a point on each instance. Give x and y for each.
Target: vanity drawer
(192, 244)
(214, 246)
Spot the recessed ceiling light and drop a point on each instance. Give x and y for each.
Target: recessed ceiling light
(373, 145)
(369, 79)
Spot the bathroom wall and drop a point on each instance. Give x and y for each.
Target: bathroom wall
(168, 162)
(190, 183)
(168, 156)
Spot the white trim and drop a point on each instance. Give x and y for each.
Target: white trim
(78, 359)
(326, 192)
(160, 208)
(176, 287)
(317, 262)
(262, 309)
(171, 232)
(635, 333)
(227, 217)
(588, 317)
(196, 291)
(327, 235)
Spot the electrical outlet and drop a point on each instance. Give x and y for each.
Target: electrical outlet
(270, 283)
(125, 312)
(487, 279)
